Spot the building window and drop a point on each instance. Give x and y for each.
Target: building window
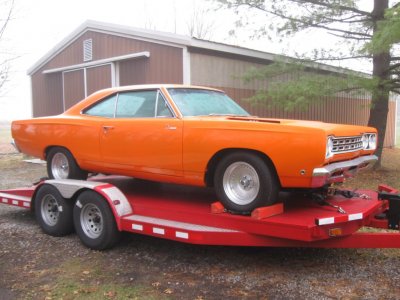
(87, 50)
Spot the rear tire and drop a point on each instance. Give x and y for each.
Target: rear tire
(53, 212)
(94, 221)
(243, 181)
(62, 165)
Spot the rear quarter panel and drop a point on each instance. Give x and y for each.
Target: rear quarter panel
(79, 135)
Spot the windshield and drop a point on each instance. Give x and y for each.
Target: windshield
(198, 102)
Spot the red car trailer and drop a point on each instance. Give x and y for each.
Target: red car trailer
(101, 208)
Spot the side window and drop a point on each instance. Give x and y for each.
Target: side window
(104, 108)
(162, 108)
(140, 104)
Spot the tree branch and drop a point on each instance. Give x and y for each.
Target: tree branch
(350, 37)
(332, 6)
(343, 58)
(8, 18)
(306, 24)
(392, 67)
(393, 81)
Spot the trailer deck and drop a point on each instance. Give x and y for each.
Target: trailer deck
(193, 215)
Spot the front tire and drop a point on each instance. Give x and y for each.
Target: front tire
(94, 221)
(62, 165)
(53, 212)
(243, 181)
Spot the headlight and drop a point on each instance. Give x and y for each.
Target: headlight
(372, 141)
(329, 147)
(369, 141)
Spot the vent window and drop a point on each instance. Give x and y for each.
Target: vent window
(87, 50)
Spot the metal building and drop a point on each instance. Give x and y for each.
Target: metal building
(100, 55)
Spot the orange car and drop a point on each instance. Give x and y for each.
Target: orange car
(194, 136)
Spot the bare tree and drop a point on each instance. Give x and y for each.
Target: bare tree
(199, 24)
(4, 56)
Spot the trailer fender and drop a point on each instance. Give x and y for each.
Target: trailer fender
(117, 201)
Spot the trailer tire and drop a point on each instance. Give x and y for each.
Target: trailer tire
(94, 221)
(53, 212)
(61, 164)
(243, 181)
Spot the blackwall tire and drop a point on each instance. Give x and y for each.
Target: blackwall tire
(243, 181)
(62, 165)
(94, 221)
(53, 212)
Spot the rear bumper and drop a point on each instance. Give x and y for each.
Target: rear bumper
(339, 171)
(15, 145)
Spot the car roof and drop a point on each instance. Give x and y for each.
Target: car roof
(156, 86)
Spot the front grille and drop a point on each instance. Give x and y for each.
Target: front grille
(347, 144)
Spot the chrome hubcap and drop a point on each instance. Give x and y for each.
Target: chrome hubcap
(60, 166)
(241, 183)
(92, 221)
(50, 210)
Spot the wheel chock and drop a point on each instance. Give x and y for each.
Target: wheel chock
(217, 208)
(267, 211)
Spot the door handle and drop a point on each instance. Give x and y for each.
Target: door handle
(107, 128)
(169, 127)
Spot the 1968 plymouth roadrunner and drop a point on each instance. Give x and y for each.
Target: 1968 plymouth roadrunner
(194, 136)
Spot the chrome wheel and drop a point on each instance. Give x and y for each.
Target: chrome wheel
(60, 166)
(91, 221)
(241, 183)
(49, 210)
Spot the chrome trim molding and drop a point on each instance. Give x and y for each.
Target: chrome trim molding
(337, 172)
(15, 145)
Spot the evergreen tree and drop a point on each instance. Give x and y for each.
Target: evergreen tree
(371, 35)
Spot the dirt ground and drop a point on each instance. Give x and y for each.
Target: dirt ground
(37, 266)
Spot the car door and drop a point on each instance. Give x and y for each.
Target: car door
(143, 138)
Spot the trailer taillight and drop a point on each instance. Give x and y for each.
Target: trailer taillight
(335, 232)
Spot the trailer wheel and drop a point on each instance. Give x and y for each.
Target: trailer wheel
(94, 221)
(243, 181)
(53, 212)
(62, 165)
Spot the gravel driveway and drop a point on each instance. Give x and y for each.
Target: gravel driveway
(36, 266)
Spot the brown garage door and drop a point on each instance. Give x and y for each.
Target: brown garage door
(74, 87)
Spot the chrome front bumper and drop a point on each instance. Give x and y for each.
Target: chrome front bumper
(338, 172)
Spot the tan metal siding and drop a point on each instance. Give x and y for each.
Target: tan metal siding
(74, 88)
(47, 96)
(223, 72)
(98, 78)
(390, 138)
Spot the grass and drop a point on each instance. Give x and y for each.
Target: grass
(388, 174)
(81, 279)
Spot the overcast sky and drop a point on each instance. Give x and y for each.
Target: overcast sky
(37, 26)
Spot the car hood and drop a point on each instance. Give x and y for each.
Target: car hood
(255, 123)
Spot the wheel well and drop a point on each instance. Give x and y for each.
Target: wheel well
(48, 148)
(212, 164)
